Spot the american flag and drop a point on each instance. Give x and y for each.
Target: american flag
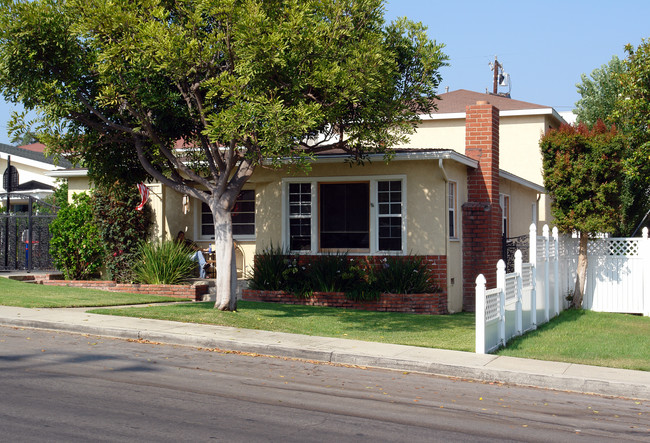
(144, 194)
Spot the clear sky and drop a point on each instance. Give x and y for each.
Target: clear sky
(544, 45)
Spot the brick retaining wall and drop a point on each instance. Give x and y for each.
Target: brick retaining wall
(413, 303)
(193, 292)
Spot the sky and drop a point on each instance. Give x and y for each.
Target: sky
(545, 46)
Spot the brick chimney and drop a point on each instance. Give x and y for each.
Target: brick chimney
(482, 220)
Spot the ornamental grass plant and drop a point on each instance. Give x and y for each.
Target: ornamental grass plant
(165, 263)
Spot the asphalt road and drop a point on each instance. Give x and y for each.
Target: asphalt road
(66, 387)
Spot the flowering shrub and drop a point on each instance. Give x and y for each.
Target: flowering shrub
(121, 227)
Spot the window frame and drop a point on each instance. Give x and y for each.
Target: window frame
(315, 211)
(452, 203)
(504, 202)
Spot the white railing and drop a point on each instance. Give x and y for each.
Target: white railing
(618, 280)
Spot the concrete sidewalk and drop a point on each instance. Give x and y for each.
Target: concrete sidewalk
(491, 368)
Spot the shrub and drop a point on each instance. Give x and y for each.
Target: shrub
(165, 263)
(121, 226)
(76, 246)
(404, 275)
(273, 269)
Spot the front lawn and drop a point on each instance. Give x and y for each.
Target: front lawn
(29, 295)
(454, 331)
(590, 338)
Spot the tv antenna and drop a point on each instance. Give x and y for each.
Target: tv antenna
(500, 78)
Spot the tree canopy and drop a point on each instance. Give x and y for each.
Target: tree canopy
(599, 92)
(123, 84)
(583, 174)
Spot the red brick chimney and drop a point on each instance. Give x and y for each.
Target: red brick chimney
(482, 220)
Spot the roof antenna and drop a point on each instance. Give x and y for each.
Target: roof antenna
(500, 78)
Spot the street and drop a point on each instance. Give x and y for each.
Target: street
(67, 387)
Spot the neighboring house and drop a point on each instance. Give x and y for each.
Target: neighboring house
(467, 177)
(32, 166)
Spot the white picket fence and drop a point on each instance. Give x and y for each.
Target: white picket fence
(618, 280)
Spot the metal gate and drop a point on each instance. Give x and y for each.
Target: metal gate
(25, 236)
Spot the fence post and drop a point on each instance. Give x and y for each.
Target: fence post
(501, 285)
(646, 279)
(480, 315)
(518, 270)
(533, 261)
(547, 293)
(556, 271)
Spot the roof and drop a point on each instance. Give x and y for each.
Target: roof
(36, 147)
(32, 155)
(456, 101)
(33, 185)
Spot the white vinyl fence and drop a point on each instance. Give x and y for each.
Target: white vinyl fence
(618, 280)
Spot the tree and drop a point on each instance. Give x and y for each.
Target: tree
(632, 116)
(583, 173)
(599, 92)
(241, 83)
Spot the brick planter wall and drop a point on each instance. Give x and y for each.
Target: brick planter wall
(413, 303)
(192, 292)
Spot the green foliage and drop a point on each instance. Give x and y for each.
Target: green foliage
(583, 173)
(277, 270)
(632, 116)
(76, 245)
(272, 269)
(166, 263)
(121, 227)
(599, 93)
(404, 275)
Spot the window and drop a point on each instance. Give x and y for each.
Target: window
(453, 221)
(505, 212)
(355, 216)
(389, 200)
(300, 216)
(344, 216)
(243, 216)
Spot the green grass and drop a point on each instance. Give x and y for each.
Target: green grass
(590, 338)
(25, 295)
(435, 331)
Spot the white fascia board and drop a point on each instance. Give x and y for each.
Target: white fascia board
(521, 181)
(66, 173)
(18, 160)
(408, 156)
(511, 113)
(445, 116)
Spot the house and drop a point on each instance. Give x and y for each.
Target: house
(31, 166)
(469, 175)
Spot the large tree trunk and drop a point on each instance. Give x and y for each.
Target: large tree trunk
(226, 267)
(581, 272)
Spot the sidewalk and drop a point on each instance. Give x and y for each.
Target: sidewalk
(490, 368)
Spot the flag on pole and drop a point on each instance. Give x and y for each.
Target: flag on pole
(144, 194)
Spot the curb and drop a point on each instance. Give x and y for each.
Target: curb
(487, 370)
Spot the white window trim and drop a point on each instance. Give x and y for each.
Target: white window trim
(374, 213)
(455, 209)
(505, 213)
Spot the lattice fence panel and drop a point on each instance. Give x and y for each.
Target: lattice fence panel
(492, 304)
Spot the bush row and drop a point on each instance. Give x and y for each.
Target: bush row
(275, 269)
